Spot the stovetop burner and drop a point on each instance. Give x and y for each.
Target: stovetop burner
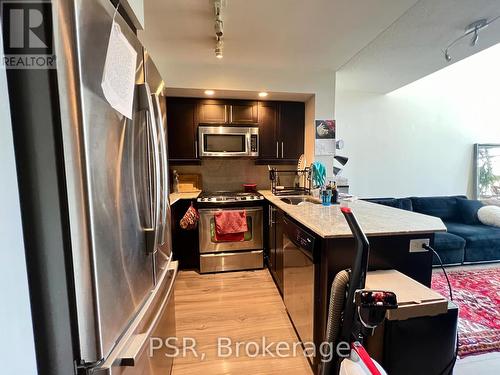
(228, 196)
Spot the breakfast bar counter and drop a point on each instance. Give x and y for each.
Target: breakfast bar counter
(375, 219)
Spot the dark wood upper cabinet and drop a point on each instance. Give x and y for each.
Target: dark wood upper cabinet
(281, 132)
(281, 126)
(268, 121)
(243, 113)
(213, 112)
(182, 128)
(291, 130)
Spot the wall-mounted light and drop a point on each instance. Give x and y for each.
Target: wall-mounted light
(263, 94)
(209, 92)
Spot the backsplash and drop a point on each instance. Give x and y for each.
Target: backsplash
(230, 174)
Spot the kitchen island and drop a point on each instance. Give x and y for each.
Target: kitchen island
(305, 280)
(375, 219)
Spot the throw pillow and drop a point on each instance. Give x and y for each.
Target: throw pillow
(489, 215)
(468, 210)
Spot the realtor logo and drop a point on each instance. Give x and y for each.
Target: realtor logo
(27, 35)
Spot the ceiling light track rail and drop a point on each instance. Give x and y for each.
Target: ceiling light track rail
(473, 29)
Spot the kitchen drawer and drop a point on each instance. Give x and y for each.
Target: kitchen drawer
(243, 260)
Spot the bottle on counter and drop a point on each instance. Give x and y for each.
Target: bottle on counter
(175, 185)
(335, 193)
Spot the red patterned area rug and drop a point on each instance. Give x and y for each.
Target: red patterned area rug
(477, 293)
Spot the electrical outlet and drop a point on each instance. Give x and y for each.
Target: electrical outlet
(416, 245)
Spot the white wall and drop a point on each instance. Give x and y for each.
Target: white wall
(17, 351)
(419, 139)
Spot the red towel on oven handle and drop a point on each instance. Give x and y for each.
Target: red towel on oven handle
(231, 222)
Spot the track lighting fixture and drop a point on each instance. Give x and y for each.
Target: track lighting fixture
(473, 29)
(218, 27)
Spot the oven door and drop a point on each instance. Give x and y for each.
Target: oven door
(252, 238)
(227, 141)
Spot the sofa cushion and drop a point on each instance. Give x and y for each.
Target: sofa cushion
(450, 248)
(482, 241)
(401, 203)
(448, 241)
(489, 215)
(468, 210)
(443, 207)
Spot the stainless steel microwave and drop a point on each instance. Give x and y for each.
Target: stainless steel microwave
(228, 141)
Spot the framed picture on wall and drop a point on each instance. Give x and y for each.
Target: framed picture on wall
(325, 129)
(487, 171)
(325, 138)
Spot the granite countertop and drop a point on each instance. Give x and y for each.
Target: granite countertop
(174, 197)
(375, 219)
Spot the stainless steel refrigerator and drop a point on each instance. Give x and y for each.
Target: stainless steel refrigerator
(111, 178)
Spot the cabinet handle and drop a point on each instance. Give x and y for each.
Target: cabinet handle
(282, 149)
(277, 151)
(196, 149)
(231, 114)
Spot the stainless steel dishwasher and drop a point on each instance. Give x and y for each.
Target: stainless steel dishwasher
(298, 283)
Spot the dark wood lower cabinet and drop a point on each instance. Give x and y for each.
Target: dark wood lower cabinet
(184, 242)
(275, 246)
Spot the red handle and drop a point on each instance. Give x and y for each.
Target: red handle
(365, 358)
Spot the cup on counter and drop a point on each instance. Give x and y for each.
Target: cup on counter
(326, 197)
(315, 193)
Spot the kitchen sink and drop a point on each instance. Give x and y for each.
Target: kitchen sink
(298, 200)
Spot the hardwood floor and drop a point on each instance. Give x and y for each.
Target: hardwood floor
(242, 306)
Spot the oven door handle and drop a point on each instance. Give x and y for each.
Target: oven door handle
(212, 211)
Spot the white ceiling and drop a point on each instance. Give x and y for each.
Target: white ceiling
(262, 38)
(238, 94)
(412, 47)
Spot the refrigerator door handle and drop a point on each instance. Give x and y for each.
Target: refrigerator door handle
(163, 167)
(147, 104)
(136, 345)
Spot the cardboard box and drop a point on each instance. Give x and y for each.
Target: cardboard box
(414, 299)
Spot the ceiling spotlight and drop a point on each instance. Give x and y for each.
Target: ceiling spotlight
(218, 48)
(219, 27)
(209, 92)
(447, 56)
(263, 94)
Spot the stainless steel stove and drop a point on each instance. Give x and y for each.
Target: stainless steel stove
(244, 253)
(229, 197)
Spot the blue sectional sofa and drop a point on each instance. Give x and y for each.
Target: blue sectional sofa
(467, 240)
